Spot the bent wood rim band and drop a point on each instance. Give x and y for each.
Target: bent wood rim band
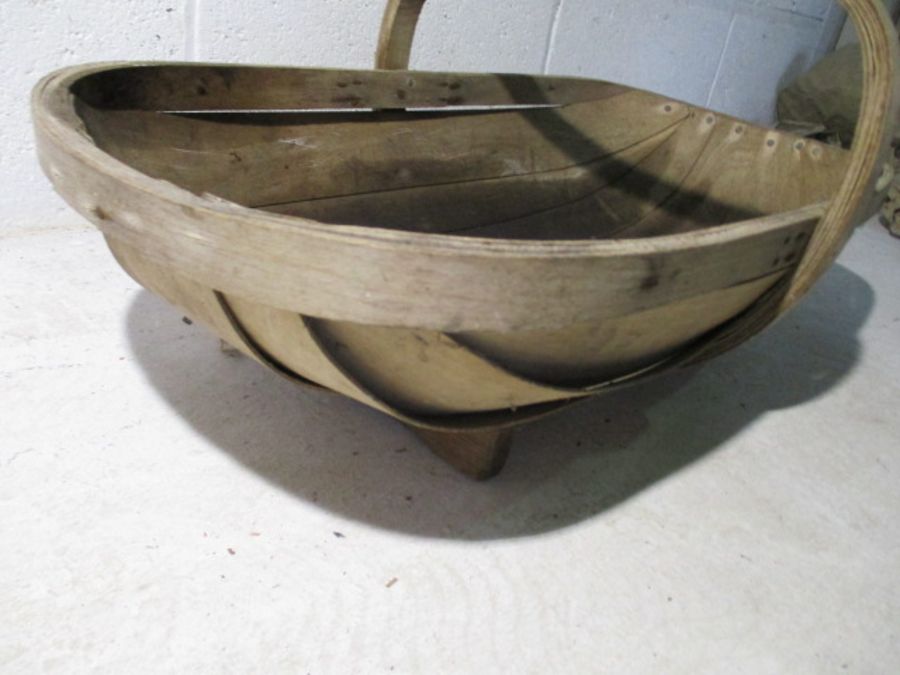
(855, 199)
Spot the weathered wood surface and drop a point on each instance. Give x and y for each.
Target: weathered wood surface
(464, 252)
(377, 275)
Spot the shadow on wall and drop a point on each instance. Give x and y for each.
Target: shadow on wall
(360, 464)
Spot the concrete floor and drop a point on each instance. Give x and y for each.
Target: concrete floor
(166, 508)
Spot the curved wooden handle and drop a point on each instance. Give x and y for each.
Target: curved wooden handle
(857, 198)
(860, 193)
(398, 26)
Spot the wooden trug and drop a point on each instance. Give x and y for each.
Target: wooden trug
(465, 252)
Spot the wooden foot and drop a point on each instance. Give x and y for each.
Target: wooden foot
(227, 349)
(478, 454)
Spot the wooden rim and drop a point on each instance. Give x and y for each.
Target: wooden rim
(878, 111)
(376, 268)
(55, 117)
(860, 193)
(872, 140)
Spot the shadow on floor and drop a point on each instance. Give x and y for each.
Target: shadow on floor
(362, 465)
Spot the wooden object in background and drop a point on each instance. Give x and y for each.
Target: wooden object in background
(464, 252)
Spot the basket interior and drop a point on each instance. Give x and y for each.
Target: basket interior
(630, 164)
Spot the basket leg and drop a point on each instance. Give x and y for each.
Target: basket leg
(478, 454)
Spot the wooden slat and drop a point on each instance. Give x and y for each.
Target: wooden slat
(589, 353)
(290, 341)
(745, 171)
(212, 87)
(475, 207)
(272, 166)
(613, 208)
(373, 275)
(426, 372)
(193, 299)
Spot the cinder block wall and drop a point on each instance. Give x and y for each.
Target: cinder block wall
(729, 55)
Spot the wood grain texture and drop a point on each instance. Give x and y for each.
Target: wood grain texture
(464, 252)
(858, 195)
(398, 26)
(386, 277)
